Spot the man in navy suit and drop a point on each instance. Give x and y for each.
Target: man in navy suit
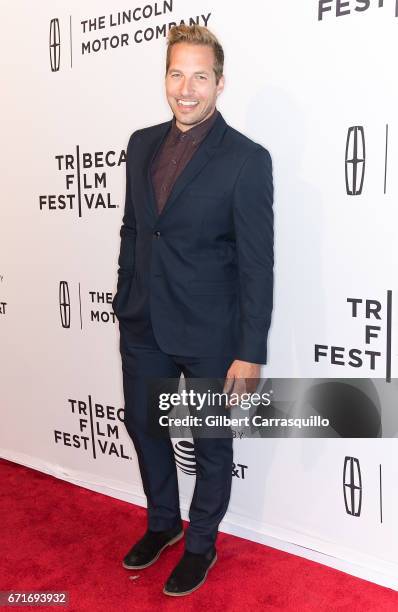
(195, 288)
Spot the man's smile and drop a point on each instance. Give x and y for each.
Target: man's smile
(187, 103)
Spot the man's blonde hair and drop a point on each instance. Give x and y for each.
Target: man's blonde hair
(196, 35)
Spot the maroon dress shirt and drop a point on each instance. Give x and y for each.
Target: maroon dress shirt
(176, 151)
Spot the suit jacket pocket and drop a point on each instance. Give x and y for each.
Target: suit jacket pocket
(122, 294)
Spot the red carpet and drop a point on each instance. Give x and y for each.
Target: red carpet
(57, 536)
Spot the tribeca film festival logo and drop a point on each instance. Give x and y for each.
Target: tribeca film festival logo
(98, 429)
(3, 304)
(184, 454)
(99, 306)
(352, 487)
(86, 188)
(380, 315)
(355, 160)
(342, 8)
(103, 32)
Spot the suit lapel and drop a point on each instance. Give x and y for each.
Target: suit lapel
(200, 158)
(154, 147)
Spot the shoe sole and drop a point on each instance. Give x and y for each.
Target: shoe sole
(170, 543)
(194, 588)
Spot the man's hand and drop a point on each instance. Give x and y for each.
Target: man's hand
(242, 377)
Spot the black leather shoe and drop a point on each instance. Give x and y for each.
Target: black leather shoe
(190, 573)
(147, 550)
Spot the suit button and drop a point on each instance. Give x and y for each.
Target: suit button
(156, 234)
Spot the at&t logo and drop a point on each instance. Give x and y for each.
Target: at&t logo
(184, 454)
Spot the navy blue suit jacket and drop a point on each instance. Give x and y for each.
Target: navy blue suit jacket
(200, 274)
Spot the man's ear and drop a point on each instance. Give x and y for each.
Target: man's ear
(220, 84)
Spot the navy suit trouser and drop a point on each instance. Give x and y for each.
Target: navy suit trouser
(140, 362)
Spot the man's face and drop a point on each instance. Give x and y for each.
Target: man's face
(191, 80)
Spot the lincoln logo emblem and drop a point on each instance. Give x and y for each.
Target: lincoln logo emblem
(352, 486)
(55, 45)
(355, 160)
(64, 304)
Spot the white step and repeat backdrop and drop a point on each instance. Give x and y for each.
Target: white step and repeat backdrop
(314, 83)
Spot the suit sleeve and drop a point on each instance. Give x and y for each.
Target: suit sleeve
(254, 235)
(128, 229)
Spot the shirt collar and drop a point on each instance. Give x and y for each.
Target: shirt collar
(194, 134)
